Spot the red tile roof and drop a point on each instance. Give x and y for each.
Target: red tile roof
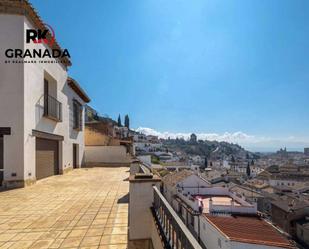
(77, 88)
(248, 229)
(173, 178)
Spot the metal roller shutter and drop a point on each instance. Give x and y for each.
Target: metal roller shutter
(1, 160)
(46, 158)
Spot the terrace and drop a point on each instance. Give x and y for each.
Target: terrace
(86, 208)
(216, 200)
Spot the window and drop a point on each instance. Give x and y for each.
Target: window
(52, 107)
(77, 115)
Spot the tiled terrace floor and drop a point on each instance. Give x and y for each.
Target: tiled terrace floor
(87, 208)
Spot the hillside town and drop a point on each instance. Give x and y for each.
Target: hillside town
(228, 181)
(71, 177)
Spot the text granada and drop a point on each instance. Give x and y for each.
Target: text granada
(36, 53)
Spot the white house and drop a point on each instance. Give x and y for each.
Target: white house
(219, 219)
(41, 109)
(240, 232)
(143, 143)
(184, 180)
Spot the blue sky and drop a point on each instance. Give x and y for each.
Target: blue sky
(209, 67)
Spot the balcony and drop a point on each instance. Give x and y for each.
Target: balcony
(165, 229)
(52, 108)
(172, 230)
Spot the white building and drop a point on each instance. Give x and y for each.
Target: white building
(41, 109)
(196, 159)
(225, 164)
(165, 156)
(186, 180)
(148, 143)
(240, 232)
(217, 217)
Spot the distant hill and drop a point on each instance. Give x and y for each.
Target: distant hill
(213, 149)
(92, 115)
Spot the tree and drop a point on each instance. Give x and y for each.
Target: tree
(252, 162)
(127, 121)
(248, 170)
(119, 121)
(206, 162)
(233, 159)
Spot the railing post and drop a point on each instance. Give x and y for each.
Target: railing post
(173, 235)
(60, 112)
(177, 237)
(142, 199)
(169, 231)
(45, 104)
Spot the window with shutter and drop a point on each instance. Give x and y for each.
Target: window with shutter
(77, 115)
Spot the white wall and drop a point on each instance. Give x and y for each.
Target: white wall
(34, 89)
(192, 184)
(210, 235)
(105, 154)
(239, 245)
(75, 136)
(245, 207)
(286, 183)
(21, 93)
(207, 190)
(12, 97)
(34, 106)
(140, 216)
(147, 146)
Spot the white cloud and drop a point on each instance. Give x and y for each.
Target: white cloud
(249, 141)
(227, 136)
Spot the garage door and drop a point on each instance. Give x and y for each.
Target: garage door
(46, 158)
(1, 160)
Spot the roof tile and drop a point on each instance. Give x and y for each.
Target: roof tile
(248, 229)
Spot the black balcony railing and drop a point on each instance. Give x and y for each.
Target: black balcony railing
(52, 108)
(173, 231)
